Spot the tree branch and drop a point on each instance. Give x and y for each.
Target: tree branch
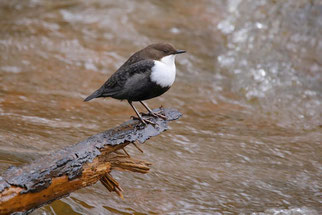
(22, 189)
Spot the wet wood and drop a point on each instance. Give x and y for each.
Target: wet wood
(23, 189)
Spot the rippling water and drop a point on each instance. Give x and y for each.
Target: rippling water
(250, 89)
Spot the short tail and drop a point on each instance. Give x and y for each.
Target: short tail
(94, 95)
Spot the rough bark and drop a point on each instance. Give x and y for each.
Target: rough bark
(22, 189)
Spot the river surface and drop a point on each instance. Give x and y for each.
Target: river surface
(249, 88)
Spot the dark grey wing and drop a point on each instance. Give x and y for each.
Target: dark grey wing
(136, 57)
(116, 83)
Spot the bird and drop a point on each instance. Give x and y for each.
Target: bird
(147, 74)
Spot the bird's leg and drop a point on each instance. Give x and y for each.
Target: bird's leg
(144, 121)
(153, 113)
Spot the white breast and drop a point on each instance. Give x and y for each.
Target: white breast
(164, 71)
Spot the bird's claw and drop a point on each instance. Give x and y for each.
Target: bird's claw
(144, 121)
(160, 115)
(155, 114)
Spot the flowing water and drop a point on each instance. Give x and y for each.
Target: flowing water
(250, 89)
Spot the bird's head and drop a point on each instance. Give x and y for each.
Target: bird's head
(157, 51)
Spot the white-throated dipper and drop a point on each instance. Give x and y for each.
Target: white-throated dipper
(148, 73)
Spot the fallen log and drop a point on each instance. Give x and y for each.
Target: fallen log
(23, 189)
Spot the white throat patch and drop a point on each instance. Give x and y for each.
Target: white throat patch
(164, 71)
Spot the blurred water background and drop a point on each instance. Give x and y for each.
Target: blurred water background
(250, 89)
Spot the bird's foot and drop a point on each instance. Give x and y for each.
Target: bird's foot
(160, 115)
(155, 114)
(144, 121)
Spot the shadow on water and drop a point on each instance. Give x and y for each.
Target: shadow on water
(250, 88)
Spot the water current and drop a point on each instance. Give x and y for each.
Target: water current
(249, 88)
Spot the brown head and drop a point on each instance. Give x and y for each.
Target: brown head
(157, 51)
(154, 51)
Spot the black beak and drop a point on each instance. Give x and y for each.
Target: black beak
(180, 51)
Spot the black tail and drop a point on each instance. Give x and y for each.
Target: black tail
(94, 95)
